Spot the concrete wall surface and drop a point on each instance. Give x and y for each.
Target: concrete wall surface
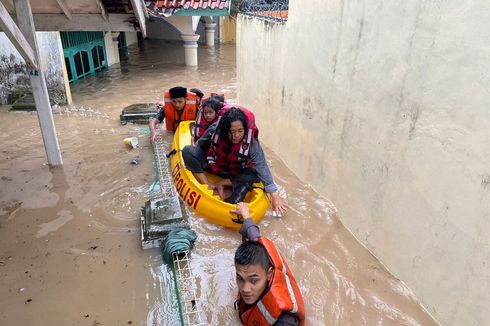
(14, 76)
(131, 38)
(111, 47)
(384, 107)
(228, 29)
(159, 29)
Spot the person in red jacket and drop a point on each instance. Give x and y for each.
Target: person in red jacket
(206, 116)
(235, 154)
(267, 291)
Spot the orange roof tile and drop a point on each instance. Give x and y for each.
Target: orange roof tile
(194, 4)
(169, 7)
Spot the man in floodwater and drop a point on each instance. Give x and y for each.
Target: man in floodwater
(267, 291)
(179, 105)
(235, 155)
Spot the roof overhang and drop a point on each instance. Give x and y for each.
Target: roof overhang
(207, 8)
(86, 15)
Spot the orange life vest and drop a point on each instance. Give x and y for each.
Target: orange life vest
(283, 294)
(189, 112)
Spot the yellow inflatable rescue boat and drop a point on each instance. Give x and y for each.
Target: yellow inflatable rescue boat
(202, 200)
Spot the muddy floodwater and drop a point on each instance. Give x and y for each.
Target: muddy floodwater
(70, 251)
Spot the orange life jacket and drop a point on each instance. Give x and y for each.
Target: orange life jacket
(283, 294)
(189, 112)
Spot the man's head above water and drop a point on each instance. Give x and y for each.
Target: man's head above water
(178, 95)
(253, 270)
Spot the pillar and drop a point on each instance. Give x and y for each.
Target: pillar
(210, 28)
(115, 46)
(190, 48)
(39, 90)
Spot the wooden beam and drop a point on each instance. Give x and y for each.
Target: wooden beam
(17, 38)
(10, 4)
(39, 90)
(103, 11)
(140, 15)
(85, 22)
(64, 7)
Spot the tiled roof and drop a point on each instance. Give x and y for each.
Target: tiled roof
(192, 4)
(169, 7)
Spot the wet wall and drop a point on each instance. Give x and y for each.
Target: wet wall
(383, 108)
(14, 75)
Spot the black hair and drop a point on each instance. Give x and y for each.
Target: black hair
(178, 91)
(198, 92)
(252, 253)
(234, 114)
(213, 103)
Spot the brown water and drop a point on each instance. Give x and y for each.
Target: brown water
(70, 249)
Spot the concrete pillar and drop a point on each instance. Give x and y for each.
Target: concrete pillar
(39, 90)
(190, 47)
(115, 46)
(210, 28)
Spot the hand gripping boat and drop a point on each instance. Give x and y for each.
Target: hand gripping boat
(202, 200)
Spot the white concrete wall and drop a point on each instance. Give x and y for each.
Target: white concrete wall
(111, 47)
(14, 75)
(131, 38)
(384, 107)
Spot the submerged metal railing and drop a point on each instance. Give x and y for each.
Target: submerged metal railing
(191, 314)
(167, 189)
(274, 10)
(189, 311)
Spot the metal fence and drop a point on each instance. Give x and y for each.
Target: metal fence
(275, 10)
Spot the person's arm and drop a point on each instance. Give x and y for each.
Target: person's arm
(158, 118)
(205, 140)
(258, 159)
(249, 230)
(287, 319)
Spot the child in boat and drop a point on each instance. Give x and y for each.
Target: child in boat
(179, 105)
(207, 115)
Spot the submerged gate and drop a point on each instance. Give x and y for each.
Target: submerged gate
(84, 53)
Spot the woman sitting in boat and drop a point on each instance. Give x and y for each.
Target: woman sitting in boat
(235, 155)
(207, 115)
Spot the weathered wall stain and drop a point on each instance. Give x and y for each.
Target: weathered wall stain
(485, 182)
(14, 75)
(339, 35)
(414, 117)
(358, 42)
